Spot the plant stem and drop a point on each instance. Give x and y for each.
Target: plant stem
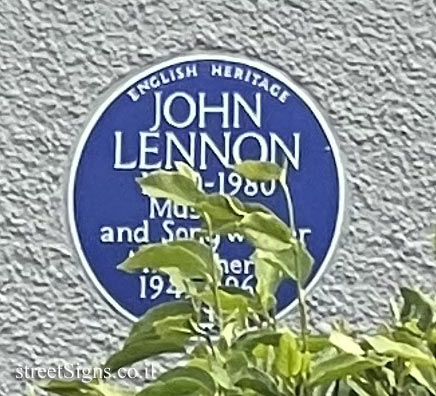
(212, 347)
(303, 315)
(402, 374)
(198, 330)
(300, 290)
(336, 389)
(289, 204)
(218, 310)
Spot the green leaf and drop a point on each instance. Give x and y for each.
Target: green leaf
(258, 170)
(259, 382)
(380, 390)
(70, 388)
(163, 329)
(180, 386)
(185, 170)
(413, 389)
(220, 375)
(143, 348)
(317, 343)
(409, 334)
(191, 259)
(345, 343)
(229, 330)
(268, 279)
(174, 186)
(417, 306)
(265, 356)
(236, 363)
(424, 375)
(266, 231)
(164, 318)
(295, 262)
(79, 388)
(390, 376)
(384, 346)
(196, 373)
(233, 301)
(357, 388)
(215, 369)
(248, 341)
(341, 366)
(369, 385)
(255, 207)
(288, 357)
(224, 212)
(236, 295)
(323, 390)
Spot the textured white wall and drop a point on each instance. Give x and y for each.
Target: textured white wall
(370, 64)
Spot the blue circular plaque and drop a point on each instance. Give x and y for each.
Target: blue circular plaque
(209, 111)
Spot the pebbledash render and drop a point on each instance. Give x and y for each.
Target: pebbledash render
(370, 67)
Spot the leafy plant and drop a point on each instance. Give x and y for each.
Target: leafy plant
(244, 351)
